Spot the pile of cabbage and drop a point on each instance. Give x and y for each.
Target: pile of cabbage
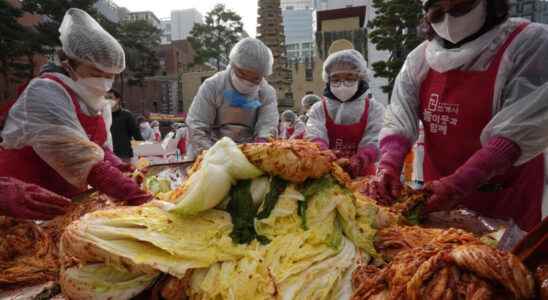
(235, 231)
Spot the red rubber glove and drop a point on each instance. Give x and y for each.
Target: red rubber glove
(116, 162)
(28, 201)
(109, 180)
(494, 158)
(324, 145)
(386, 186)
(360, 161)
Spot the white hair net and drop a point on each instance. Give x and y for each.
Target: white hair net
(84, 40)
(309, 100)
(289, 116)
(252, 54)
(345, 61)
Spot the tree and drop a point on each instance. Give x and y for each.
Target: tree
(214, 39)
(140, 40)
(395, 29)
(53, 12)
(12, 43)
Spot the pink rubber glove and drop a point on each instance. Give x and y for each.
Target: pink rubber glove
(109, 180)
(386, 186)
(324, 145)
(28, 201)
(360, 161)
(494, 158)
(116, 162)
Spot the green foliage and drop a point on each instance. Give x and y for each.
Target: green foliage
(394, 29)
(15, 40)
(140, 40)
(19, 44)
(214, 39)
(53, 12)
(277, 187)
(243, 214)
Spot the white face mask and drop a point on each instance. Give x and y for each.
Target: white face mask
(243, 86)
(344, 93)
(456, 29)
(93, 91)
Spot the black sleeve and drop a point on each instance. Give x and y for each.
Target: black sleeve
(133, 128)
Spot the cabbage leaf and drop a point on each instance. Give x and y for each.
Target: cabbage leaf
(223, 164)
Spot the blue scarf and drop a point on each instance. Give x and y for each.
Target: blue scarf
(238, 100)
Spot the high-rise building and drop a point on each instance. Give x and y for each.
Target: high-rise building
(297, 4)
(299, 34)
(533, 10)
(166, 32)
(270, 30)
(144, 15)
(182, 22)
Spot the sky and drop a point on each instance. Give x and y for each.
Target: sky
(247, 9)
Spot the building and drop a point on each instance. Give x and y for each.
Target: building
(123, 13)
(337, 4)
(344, 26)
(533, 10)
(297, 4)
(144, 15)
(166, 32)
(299, 33)
(109, 10)
(182, 22)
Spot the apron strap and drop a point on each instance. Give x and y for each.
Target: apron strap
(328, 119)
(494, 67)
(365, 117)
(72, 94)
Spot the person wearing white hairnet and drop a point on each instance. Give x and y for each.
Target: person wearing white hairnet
(306, 103)
(156, 133)
(347, 120)
(56, 133)
(237, 102)
(479, 84)
(291, 127)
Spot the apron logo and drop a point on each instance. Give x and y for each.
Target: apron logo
(440, 115)
(341, 145)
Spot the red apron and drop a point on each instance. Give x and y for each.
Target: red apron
(455, 107)
(26, 165)
(181, 145)
(347, 138)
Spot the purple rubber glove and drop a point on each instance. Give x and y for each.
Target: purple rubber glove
(28, 201)
(116, 162)
(494, 158)
(106, 178)
(324, 145)
(386, 186)
(360, 161)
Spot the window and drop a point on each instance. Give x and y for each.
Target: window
(309, 73)
(292, 47)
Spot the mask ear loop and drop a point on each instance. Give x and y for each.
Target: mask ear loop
(73, 74)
